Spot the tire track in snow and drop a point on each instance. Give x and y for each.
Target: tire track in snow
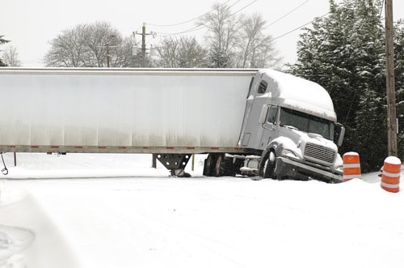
(13, 240)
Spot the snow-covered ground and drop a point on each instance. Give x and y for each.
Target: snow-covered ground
(92, 210)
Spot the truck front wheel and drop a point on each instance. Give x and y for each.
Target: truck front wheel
(269, 166)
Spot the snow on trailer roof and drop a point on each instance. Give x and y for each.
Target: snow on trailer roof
(129, 71)
(300, 94)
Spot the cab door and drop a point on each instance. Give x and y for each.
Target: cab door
(270, 126)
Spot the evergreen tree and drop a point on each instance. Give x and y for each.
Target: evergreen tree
(344, 52)
(219, 58)
(371, 131)
(3, 41)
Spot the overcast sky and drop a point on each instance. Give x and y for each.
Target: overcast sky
(31, 24)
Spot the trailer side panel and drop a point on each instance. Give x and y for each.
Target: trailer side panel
(121, 111)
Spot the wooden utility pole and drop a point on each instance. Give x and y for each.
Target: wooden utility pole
(144, 45)
(109, 50)
(390, 82)
(143, 34)
(108, 56)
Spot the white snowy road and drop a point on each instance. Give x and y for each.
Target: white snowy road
(157, 221)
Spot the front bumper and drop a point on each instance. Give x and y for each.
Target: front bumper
(287, 168)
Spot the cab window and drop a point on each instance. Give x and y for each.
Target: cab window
(272, 114)
(262, 87)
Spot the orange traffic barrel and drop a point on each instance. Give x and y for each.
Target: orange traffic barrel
(352, 166)
(391, 174)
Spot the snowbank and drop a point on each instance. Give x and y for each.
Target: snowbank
(28, 238)
(153, 220)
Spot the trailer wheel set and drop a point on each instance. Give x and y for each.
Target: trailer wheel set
(217, 164)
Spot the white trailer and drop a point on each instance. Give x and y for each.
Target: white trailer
(122, 110)
(170, 113)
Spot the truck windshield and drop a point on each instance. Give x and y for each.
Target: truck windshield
(307, 123)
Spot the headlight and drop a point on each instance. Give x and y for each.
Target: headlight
(340, 168)
(289, 153)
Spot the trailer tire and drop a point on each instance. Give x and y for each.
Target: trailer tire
(269, 166)
(219, 166)
(208, 167)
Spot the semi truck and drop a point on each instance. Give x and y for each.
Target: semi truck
(248, 122)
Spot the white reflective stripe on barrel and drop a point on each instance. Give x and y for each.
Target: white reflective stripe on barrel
(392, 186)
(388, 174)
(351, 165)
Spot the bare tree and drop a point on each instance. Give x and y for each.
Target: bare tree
(90, 45)
(167, 51)
(10, 57)
(102, 41)
(255, 49)
(223, 34)
(122, 55)
(183, 52)
(238, 41)
(191, 53)
(68, 48)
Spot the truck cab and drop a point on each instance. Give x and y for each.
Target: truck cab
(292, 124)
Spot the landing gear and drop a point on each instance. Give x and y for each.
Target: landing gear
(175, 163)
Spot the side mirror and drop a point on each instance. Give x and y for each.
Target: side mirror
(263, 115)
(340, 133)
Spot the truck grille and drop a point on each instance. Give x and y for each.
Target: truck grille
(317, 152)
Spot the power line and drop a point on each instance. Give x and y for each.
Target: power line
(298, 28)
(197, 28)
(234, 4)
(141, 25)
(187, 21)
(244, 7)
(200, 27)
(194, 29)
(287, 14)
